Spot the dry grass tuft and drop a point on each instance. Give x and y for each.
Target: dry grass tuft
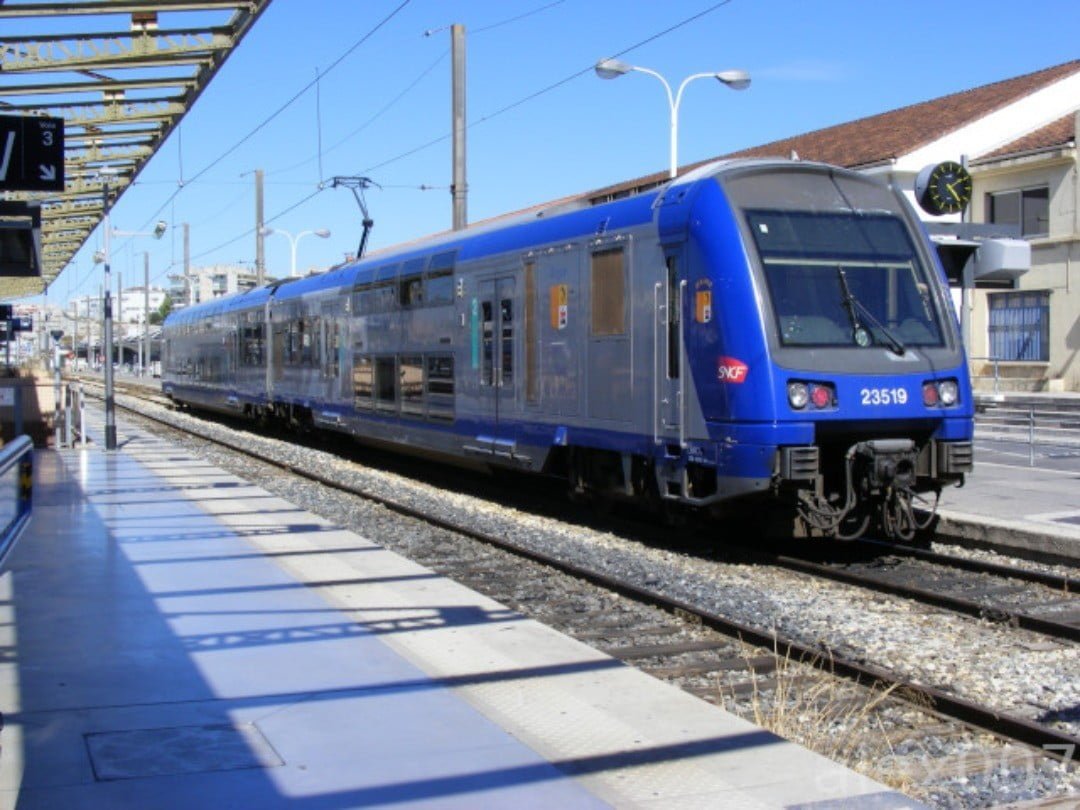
(826, 714)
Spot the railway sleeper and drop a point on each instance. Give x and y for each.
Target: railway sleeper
(760, 664)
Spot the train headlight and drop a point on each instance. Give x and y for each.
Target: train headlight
(798, 395)
(949, 392)
(940, 393)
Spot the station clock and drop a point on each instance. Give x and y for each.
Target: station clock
(943, 188)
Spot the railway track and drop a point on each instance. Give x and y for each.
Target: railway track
(710, 654)
(1033, 600)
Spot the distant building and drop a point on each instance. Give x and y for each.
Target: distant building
(129, 307)
(210, 282)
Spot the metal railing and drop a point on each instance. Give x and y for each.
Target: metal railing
(997, 370)
(1030, 425)
(16, 492)
(69, 418)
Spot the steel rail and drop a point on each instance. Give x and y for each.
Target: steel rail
(957, 604)
(1057, 581)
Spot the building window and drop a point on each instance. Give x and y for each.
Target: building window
(1028, 208)
(1020, 326)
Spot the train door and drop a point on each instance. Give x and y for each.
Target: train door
(668, 370)
(498, 375)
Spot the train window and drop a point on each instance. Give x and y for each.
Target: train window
(439, 287)
(363, 382)
(412, 292)
(532, 388)
(831, 273)
(443, 261)
(384, 297)
(411, 379)
(331, 348)
(608, 293)
(252, 343)
(411, 284)
(440, 386)
(294, 331)
(506, 345)
(673, 317)
(439, 279)
(309, 344)
(385, 384)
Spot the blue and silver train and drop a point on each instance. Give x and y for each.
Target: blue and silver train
(774, 335)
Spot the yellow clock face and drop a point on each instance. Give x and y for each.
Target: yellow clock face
(946, 189)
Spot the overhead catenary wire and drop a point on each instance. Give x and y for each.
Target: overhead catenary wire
(266, 121)
(549, 88)
(427, 144)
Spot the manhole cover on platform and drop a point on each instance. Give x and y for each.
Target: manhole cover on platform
(182, 749)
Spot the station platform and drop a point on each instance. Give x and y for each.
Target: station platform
(176, 637)
(1009, 505)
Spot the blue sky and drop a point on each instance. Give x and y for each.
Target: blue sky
(382, 107)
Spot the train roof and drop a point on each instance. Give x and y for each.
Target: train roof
(565, 220)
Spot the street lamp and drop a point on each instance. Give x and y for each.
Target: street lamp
(735, 79)
(106, 338)
(144, 345)
(322, 233)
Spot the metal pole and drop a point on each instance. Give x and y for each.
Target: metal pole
(89, 332)
(67, 415)
(458, 187)
(18, 417)
(82, 416)
(110, 404)
(57, 414)
(1031, 437)
(120, 318)
(260, 247)
(144, 353)
(187, 262)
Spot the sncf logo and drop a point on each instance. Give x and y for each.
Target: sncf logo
(728, 369)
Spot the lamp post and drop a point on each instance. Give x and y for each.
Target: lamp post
(106, 338)
(144, 345)
(107, 329)
(322, 233)
(735, 79)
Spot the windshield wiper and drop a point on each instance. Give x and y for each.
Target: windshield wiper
(853, 306)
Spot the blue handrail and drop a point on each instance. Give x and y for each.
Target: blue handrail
(16, 492)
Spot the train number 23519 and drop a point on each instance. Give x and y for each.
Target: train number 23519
(884, 396)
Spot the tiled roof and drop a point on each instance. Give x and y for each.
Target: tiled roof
(1059, 133)
(889, 135)
(883, 137)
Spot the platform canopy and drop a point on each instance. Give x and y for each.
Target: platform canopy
(121, 75)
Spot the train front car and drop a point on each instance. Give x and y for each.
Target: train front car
(833, 375)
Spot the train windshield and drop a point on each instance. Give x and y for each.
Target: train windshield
(845, 279)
